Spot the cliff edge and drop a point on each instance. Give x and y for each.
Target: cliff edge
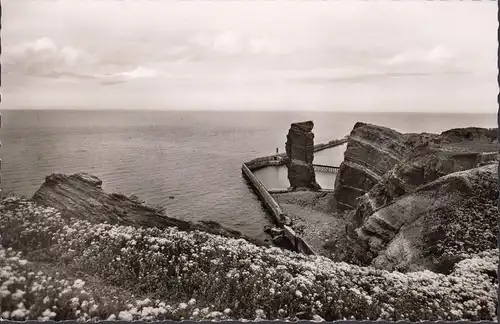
(371, 151)
(81, 196)
(418, 201)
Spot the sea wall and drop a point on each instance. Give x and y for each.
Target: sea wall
(274, 209)
(299, 244)
(277, 159)
(262, 162)
(271, 205)
(330, 144)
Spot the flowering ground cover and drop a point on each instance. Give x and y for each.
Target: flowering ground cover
(153, 274)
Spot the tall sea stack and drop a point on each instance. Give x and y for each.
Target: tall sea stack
(300, 155)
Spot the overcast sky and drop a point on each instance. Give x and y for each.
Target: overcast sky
(246, 55)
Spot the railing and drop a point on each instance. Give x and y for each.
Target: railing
(325, 168)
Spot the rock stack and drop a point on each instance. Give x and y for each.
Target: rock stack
(300, 155)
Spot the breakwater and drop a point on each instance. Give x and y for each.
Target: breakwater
(330, 144)
(278, 159)
(274, 209)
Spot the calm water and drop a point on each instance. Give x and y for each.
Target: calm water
(194, 156)
(277, 177)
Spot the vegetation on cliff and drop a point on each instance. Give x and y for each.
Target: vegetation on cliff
(156, 274)
(416, 201)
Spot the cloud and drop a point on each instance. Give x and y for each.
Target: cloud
(233, 43)
(436, 55)
(43, 57)
(266, 45)
(121, 77)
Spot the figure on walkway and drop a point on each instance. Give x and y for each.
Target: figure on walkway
(300, 155)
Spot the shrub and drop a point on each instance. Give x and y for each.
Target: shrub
(237, 278)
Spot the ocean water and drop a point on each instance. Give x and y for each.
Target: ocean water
(194, 156)
(276, 177)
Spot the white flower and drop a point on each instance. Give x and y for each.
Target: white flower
(78, 284)
(18, 294)
(75, 301)
(317, 318)
(125, 316)
(18, 313)
(48, 313)
(260, 313)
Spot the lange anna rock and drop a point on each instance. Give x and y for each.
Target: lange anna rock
(300, 155)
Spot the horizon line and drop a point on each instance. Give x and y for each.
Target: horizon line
(251, 111)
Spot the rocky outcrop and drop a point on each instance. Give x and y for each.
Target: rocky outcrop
(435, 223)
(371, 152)
(427, 158)
(374, 151)
(415, 170)
(439, 190)
(300, 155)
(80, 196)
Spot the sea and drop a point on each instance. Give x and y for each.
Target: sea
(195, 157)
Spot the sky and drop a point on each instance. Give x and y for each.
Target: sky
(337, 55)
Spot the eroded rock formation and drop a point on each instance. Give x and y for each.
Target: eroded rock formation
(81, 196)
(419, 200)
(300, 155)
(435, 223)
(371, 152)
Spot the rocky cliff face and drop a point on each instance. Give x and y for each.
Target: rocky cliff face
(415, 170)
(80, 196)
(439, 190)
(371, 152)
(300, 155)
(435, 223)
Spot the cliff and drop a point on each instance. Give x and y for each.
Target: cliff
(80, 196)
(419, 200)
(371, 151)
